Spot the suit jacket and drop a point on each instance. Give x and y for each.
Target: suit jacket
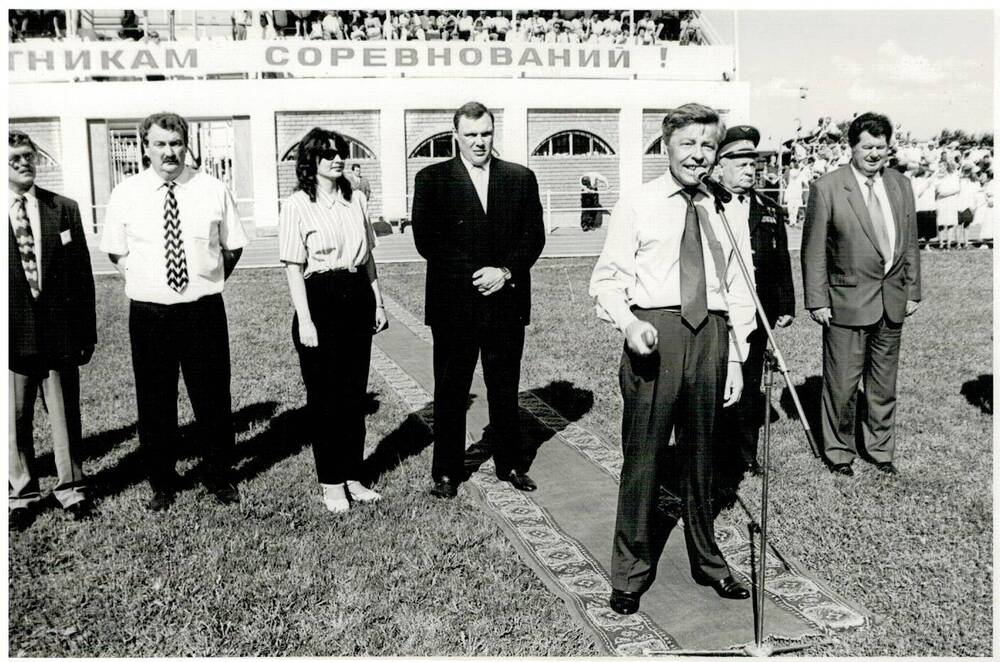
(842, 266)
(51, 331)
(772, 264)
(456, 237)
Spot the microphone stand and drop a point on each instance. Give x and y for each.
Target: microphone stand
(773, 360)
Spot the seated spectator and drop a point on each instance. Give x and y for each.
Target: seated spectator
(691, 29)
(301, 18)
(333, 27)
(130, 26)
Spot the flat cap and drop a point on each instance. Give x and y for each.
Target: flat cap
(740, 140)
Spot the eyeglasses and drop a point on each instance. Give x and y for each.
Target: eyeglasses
(28, 157)
(328, 154)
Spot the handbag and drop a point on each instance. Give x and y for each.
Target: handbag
(965, 217)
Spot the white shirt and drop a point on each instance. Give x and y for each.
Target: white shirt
(883, 200)
(480, 179)
(640, 262)
(134, 226)
(34, 220)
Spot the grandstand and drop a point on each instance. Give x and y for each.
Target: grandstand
(563, 109)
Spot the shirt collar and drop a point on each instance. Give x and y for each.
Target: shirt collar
(30, 196)
(330, 200)
(674, 187)
(157, 182)
(863, 178)
(471, 168)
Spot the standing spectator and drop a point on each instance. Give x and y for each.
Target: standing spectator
(966, 204)
(333, 26)
(360, 183)
(798, 179)
(302, 22)
(241, 20)
(465, 25)
(175, 236)
(947, 186)
(52, 331)
(280, 22)
(590, 200)
(130, 26)
(326, 242)
(923, 190)
(267, 30)
(984, 208)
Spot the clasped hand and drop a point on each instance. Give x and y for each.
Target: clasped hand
(488, 280)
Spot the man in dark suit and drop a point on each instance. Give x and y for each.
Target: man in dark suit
(772, 271)
(861, 279)
(477, 221)
(52, 329)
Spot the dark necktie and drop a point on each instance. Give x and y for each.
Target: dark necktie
(878, 219)
(177, 274)
(740, 198)
(694, 300)
(26, 245)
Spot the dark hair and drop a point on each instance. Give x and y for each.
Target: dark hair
(473, 111)
(169, 121)
(875, 124)
(16, 138)
(356, 166)
(688, 114)
(310, 146)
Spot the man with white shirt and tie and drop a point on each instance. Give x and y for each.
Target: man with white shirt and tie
(52, 330)
(175, 235)
(662, 279)
(861, 279)
(477, 221)
(772, 268)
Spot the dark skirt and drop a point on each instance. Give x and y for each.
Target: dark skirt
(926, 224)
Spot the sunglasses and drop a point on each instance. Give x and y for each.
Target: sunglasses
(328, 154)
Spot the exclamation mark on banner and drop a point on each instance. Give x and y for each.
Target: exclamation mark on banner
(663, 56)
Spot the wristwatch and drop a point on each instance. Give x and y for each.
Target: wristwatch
(506, 273)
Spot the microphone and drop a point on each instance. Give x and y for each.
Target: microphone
(714, 187)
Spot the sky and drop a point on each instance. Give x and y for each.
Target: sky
(926, 70)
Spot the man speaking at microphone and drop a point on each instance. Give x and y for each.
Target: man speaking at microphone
(772, 269)
(662, 280)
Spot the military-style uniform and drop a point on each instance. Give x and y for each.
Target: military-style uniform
(740, 429)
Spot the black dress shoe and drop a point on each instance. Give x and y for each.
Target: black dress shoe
(80, 510)
(887, 468)
(842, 469)
(444, 488)
(728, 587)
(224, 491)
(623, 602)
(20, 519)
(521, 481)
(161, 500)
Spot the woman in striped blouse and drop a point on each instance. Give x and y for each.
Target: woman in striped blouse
(326, 243)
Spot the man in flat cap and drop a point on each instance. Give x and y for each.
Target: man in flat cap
(772, 271)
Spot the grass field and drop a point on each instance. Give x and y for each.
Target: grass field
(277, 575)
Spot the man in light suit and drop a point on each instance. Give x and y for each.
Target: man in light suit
(52, 332)
(477, 221)
(861, 279)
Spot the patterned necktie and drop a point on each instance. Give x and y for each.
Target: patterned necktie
(878, 220)
(26, 245)
(694, 300)
(177, 274)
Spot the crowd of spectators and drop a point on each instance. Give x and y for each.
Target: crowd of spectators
(952, 180)
(541, 26)
(556, 26)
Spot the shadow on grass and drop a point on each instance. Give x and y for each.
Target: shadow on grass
(810, 395)
(570, 402)
(283, 436)
(979, 393)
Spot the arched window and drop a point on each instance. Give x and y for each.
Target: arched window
(573, 143)
(438, 146)
(656, 147)
(359, 151)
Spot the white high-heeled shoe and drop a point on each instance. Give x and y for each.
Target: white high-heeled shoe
(361, 493)
(335, 498)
